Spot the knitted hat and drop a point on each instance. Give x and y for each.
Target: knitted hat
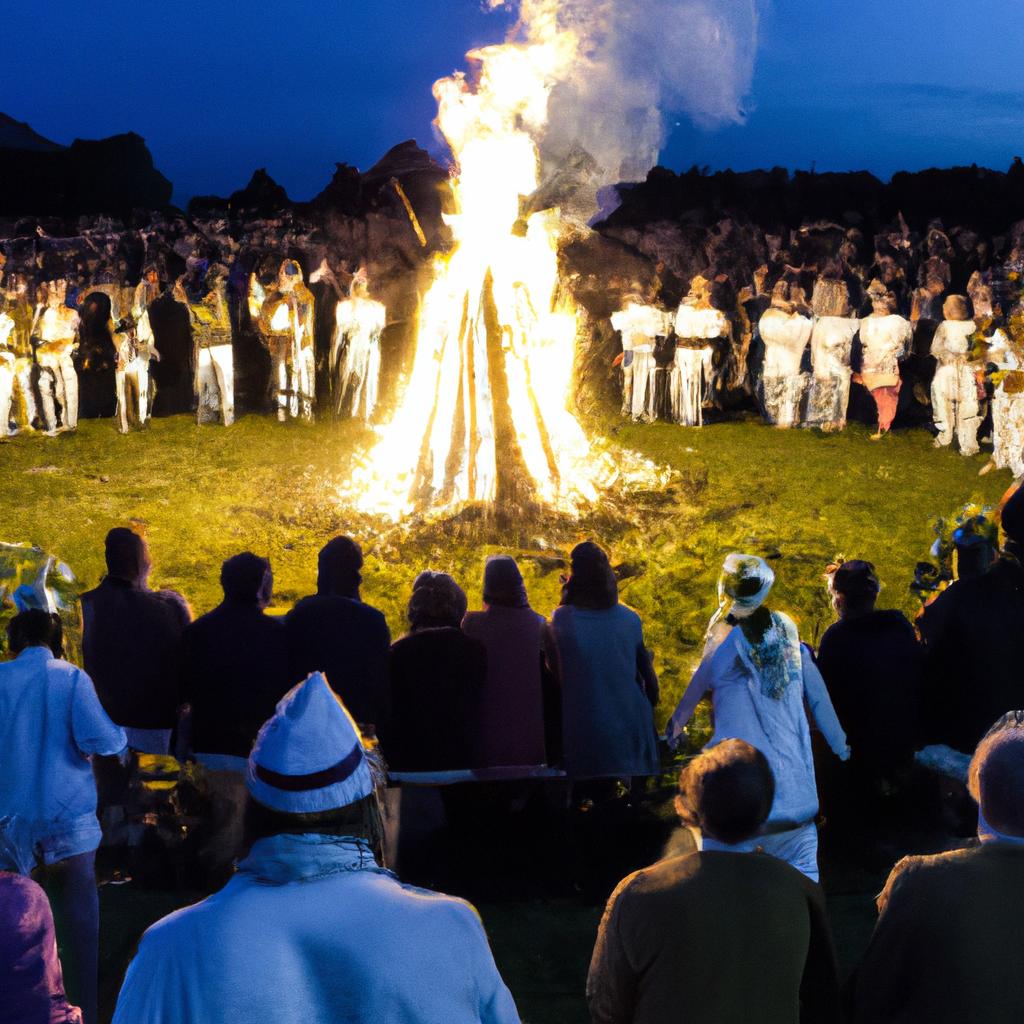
(309, 756)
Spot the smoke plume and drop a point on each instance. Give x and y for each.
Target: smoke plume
(638, 61)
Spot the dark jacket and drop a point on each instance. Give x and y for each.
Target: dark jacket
(948, 945)
(974, 633)
(437, 677)
(234, 670)
(131, 645)
(348, 641)
(871, 665)
(715, 938)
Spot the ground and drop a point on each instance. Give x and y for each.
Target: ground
(799, 498)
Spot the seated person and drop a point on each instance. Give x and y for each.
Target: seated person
(437, 676)
(719, 935)
(312, 928)
(948, 944)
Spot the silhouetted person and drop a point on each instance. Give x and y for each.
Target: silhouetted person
(974, 656)
(871, 663)
(51, 724)
(437, 675)
(948, 944)
(335, 633)
(234, 666)
(131, 644)
(716, 935)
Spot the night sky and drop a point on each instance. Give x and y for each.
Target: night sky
(220, 88)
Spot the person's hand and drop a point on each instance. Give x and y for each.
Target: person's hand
(845, 755)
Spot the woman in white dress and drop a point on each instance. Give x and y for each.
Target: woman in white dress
(1006, 352)
(699, 326)
(831, 345)
(785, 332)
(885, 339)
(955, 384)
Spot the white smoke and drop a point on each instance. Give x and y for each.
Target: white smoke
(640, 61)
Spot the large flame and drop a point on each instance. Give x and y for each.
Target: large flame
(484, 412)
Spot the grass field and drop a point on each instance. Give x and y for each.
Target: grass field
(798, 498)
(202, 494)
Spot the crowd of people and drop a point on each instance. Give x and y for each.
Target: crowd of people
(298, 721)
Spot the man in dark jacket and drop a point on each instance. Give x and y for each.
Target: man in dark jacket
(333, 632)
(234, 665)
(871, 663)
(948, 944)
(716, 936)
(975, 653)
(131, 639)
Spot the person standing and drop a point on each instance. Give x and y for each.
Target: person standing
(700, 329)
(355, 350)
(885, 339)
(334, 632)
(312, 927)
(640, 325)
(608, 682)
(213, 355)
(51, 724)
(19, 309)
(831, 347)
(56, 328)
(785, 332)
(131, 643)
(521, 656)
(716, 935)
(286, 323)
(758, 676)
(956, 381)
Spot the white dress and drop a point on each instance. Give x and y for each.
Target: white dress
(1007, 407)
(691, 369)
(785, 337)
(355, 355)
(884, 340)
(954, 386)
(639, 326)
(831, 344)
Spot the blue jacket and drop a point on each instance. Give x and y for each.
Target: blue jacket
(311, 931)
(51, 721)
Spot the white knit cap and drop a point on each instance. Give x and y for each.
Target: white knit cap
(309, 756)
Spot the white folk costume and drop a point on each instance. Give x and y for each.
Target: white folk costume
(355, 351)
(785, 333)
(698, 325)
(1007, 403)
(19, 344)
(885, 339)
(7, 374)
(214, 365)
(831, 345)
(56, 328)
(286, 325)
(955, 384)
(640, 325)
(311, 929)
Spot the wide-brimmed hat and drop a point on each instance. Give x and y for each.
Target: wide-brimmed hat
(309, 756)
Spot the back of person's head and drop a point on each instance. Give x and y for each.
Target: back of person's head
(855, 586)
(436, 601)
(247, 579)
(338, 566)
(727, 791)
(308, 771)
(1011, 514)
(591, 582)
(996, 776)
(503, 583)
(35, 628)
(127, 555)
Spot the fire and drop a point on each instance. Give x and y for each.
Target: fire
(484, 413)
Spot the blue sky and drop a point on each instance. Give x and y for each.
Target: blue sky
(221, 87)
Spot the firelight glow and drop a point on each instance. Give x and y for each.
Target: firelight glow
(495, 316)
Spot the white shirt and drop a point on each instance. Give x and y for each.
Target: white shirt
(640, 325)
(884, 341)
(785, 337)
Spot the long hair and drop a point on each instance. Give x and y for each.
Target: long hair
(591, 583)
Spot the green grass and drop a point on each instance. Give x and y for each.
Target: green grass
(796, 497)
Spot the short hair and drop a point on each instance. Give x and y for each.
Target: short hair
(996, 776)
(244, 577)
(857, 581)
(34, 628)
(727, 791)
(127, 554)
(437, 601)
(338, 565)
(361, 819)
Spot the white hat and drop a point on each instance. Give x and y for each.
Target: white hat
(309, 756)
